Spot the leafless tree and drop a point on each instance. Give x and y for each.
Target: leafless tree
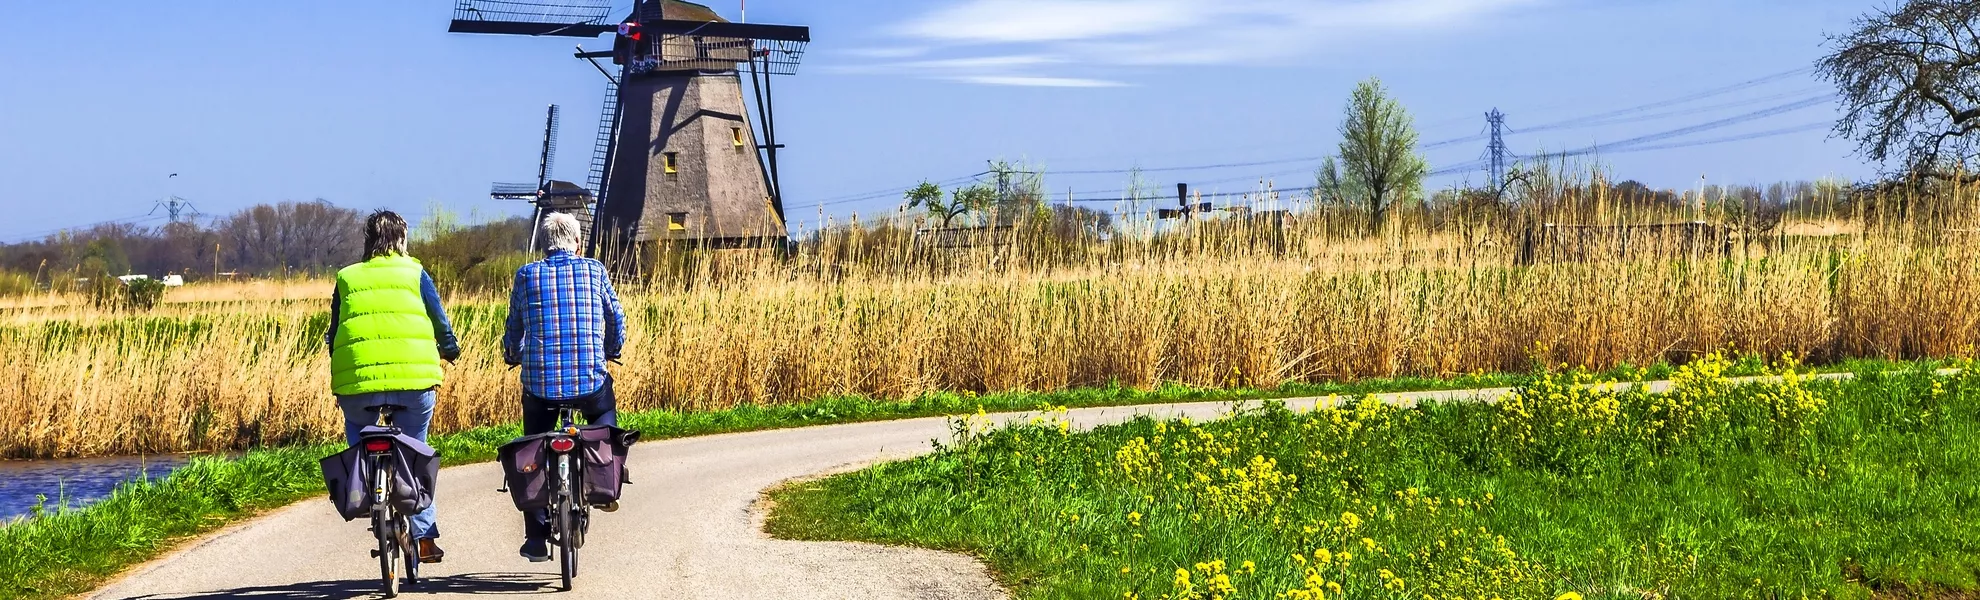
(1909, 78)
(292, 236)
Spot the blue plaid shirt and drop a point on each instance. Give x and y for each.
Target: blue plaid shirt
(564, 323)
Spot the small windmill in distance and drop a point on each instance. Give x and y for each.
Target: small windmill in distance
(1185, 209)
(547, 194)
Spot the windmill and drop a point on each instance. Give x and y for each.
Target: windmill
(1185, 209)
(549, 195)
(679, 158)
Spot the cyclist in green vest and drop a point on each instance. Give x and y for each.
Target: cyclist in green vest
(388, 334)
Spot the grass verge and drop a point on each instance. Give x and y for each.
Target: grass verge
(1863, 488)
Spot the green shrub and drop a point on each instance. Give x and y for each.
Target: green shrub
(16, 284)
(108, 292)
(495, 274)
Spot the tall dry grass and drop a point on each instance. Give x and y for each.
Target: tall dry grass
(874, 312)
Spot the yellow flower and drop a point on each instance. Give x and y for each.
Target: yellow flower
(1568, 596)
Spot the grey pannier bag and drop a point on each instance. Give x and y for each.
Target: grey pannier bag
(415, 475)
(526, 468)
(605, 450)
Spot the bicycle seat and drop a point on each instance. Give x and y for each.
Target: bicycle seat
(394, 407)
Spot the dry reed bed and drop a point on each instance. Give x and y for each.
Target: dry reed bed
(228, 376)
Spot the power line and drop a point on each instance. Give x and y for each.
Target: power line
(1187, 168)
(1664, 135)
(1681, 99)
(877, 194)
(1735, 138)
(1678, 113)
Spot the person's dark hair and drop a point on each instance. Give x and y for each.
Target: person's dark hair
(384, 234)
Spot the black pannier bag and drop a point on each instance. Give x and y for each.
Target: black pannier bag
(347, 475)
(530, 467)
(529, 472)
(605, 472)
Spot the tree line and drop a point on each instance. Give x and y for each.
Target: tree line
(265, 240)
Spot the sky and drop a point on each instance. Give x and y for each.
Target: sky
(372, 104)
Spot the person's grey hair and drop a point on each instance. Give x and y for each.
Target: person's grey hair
(561, 231)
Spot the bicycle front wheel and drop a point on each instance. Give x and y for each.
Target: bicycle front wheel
(411, 553)
(385, 526)
(388, 550)
(566, 541)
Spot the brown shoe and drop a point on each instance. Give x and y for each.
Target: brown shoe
(430, 552)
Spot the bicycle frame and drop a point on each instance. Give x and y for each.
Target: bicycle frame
(387, 524)
(571, 513)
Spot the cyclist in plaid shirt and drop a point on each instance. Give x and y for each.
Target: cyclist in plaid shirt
(565, 321)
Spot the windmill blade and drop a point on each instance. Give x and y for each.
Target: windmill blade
(513, 191)
(547, 165)
(569, 18)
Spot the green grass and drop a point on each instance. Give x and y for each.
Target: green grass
(67, 551)
(1867, 488)
(70, 551)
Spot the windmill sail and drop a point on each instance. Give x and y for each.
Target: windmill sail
(570, 18)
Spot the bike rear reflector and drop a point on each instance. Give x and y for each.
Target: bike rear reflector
(563, 444)
(377, 445)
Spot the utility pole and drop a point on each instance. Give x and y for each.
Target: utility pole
(175, 207)
(1497, 148)
(1007, 189)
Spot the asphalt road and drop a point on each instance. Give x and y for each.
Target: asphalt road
(688, 529)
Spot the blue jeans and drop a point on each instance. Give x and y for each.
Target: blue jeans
(413, 421)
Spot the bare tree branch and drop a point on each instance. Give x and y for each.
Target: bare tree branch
(1908, 78)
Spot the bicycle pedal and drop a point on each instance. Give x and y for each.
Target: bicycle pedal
(374, 554)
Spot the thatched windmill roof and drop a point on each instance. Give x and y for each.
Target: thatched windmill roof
(689, 11)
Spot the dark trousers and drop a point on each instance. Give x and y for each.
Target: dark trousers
(539, 415)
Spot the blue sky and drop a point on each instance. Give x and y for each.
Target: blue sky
(370, 103)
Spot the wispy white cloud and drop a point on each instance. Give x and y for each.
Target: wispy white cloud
(975, 40)
(945, 68)
(982, 62)
(888, 52)
(1036, 81)
(993, 21)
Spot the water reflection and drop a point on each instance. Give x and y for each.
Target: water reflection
(78, 481)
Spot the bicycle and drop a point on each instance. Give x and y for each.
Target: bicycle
(570, 515)
(391, 527)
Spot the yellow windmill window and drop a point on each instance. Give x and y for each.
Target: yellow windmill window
(673, 162)
(677, 221)
(736, 133)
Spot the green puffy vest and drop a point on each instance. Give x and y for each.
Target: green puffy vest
(384, 338)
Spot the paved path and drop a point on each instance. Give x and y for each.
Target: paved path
(687, 530)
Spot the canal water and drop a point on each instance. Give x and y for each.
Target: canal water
(76, 481)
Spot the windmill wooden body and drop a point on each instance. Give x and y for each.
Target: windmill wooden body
(679, 160)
